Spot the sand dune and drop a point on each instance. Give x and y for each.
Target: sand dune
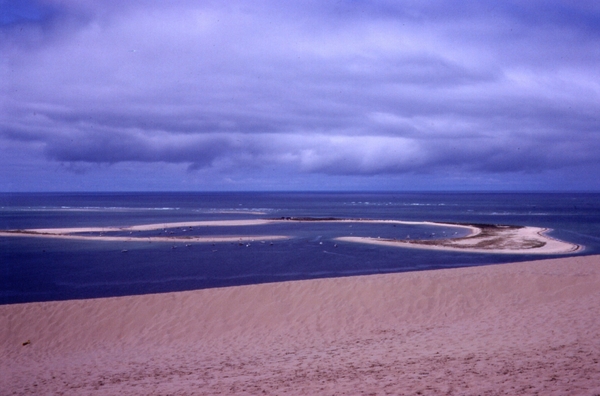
(525, 328)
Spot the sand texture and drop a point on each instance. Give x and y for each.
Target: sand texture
(525, 328)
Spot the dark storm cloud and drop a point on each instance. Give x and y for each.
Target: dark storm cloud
(341, 88)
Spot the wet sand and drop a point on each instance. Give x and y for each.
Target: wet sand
(521, 328)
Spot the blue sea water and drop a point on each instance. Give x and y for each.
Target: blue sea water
(43, 269)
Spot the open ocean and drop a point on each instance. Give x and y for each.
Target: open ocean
(43, 269)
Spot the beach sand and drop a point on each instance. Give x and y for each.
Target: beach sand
(523, 328)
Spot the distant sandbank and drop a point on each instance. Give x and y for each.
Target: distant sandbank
(486, 239)
(482, 238)
(142, 227)
(80, 233)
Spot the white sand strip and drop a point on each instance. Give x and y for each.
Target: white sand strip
(171, 239)
(523, 328)
(472, 229)
(525, 240)
(145, 227)
(219, 223)
(509, 240)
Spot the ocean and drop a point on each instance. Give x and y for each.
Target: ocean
(44, 269)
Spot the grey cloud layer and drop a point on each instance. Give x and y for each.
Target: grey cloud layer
(346, 88)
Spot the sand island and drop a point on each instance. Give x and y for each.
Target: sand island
(486, 238)
(482, 238)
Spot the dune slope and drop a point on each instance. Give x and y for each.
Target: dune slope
(523, 328)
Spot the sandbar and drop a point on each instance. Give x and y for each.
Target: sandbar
(143, 227)
(521, 328)
(495, 239)
(171, 239)
(492, 239)
(78, 233)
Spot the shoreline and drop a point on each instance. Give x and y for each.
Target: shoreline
(517, 328)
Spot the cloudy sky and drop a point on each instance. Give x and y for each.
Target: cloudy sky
(299, 95)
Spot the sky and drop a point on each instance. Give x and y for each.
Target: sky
(299, 95)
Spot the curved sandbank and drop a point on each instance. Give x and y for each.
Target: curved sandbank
(496, 239)
(482, 238)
